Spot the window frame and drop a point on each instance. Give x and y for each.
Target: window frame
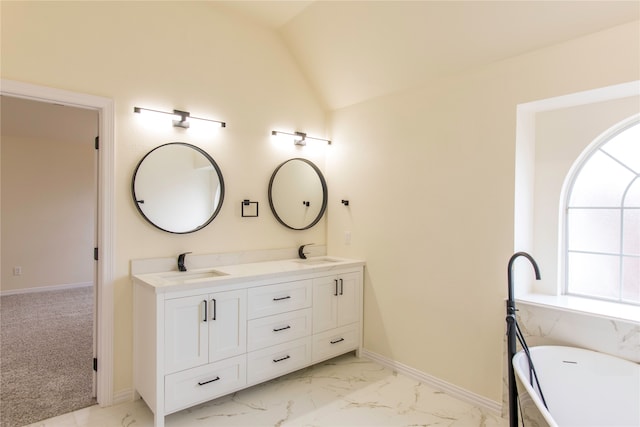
(595, 146)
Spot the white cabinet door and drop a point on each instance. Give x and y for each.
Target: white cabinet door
(227, 324)
(204, 328)
(186, 333)
(325, 303)
(348, 297)
(336, 301)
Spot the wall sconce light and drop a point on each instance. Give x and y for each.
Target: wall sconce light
(299, 138)
(180, 118)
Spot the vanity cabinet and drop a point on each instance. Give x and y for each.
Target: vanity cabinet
(198, 340)
(337, 311)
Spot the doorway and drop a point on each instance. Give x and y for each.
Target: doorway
(105, 269)
(49, 218)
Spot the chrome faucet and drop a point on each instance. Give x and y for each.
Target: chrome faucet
(181, 258)
(301, 253)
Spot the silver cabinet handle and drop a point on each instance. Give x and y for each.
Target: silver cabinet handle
(205, 311)
(337, 341)
(281, 329)
(282, 298)
(215, 309)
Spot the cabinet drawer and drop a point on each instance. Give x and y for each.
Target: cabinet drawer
(279, 298)
(277, 329)
(335, 342)
(278, 360)
(187, 388)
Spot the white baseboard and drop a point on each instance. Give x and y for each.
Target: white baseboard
(451, 389)
(45, 288)
(123, 396)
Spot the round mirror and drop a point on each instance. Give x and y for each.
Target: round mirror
(298, 194)
(178, 188)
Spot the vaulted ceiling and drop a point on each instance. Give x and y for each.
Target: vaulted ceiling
(352, 51)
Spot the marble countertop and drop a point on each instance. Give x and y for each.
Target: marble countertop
(173, 281)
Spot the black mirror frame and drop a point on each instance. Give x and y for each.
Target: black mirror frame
(215, 166)
(324, 194)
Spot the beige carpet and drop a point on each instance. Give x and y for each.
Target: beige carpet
(46, 356)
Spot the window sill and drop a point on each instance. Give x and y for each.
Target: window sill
(585, 306)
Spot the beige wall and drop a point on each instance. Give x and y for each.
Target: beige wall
(166, 55)
(430, 178)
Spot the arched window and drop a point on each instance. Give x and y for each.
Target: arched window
(602, 219)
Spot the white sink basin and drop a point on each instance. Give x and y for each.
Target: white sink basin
(317, 260)
(184, 276)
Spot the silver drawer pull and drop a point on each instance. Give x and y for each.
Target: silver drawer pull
(281, 359)
(281, 329)
(282, 298)
(337, 341)
(210, 381)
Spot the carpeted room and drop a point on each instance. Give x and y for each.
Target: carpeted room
(48, 235)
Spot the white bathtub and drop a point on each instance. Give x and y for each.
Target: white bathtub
(581, 387)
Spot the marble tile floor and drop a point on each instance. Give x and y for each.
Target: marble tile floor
(345, 391)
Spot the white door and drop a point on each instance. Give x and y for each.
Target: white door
(325, 303)
(186, 333)
(348, 291)
(227, 324)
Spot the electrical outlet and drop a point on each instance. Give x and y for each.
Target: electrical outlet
(347, 237)
(17, 270)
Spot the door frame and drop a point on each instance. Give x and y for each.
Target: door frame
(106, 216)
